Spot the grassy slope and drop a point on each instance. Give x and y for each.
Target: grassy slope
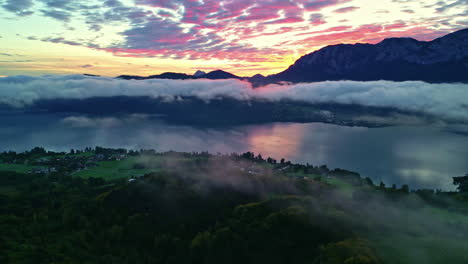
(110, 170)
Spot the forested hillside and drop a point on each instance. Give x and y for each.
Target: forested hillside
(203, 208)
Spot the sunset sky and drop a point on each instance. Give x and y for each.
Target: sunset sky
(244, 37)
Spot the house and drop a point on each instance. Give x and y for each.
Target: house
(284, 168)
(43, 159)
(40, 170)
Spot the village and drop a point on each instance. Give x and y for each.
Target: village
(38, 161)
(72, 163)
(110, 164)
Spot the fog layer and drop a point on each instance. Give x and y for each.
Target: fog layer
(446, 101)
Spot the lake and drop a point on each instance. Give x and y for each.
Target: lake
(421, 156)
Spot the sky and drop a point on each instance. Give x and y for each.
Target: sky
(244, 37)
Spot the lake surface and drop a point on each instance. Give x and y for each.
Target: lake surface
(423, 157)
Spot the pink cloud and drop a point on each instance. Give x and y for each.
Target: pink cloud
(398, 25)
(353, 36)
(287, 20)
(197, 13)
(371, 33)
(259, 14)
(325, 31)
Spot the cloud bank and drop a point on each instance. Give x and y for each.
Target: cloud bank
(446, 101)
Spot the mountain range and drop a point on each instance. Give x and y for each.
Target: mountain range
(213, 75)
(444, 59)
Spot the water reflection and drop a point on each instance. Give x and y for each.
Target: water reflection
(423, 157)
(274, 139)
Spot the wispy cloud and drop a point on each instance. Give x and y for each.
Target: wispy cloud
(57, 14)
(17, 61)
(346, 9)
(19, 7)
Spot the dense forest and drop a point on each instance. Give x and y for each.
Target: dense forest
(203, 208)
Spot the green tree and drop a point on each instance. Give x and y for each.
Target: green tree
(382, 185)
(405, 188)
(462, 183)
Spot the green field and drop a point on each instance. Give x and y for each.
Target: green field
(111, 170)
(20, 168)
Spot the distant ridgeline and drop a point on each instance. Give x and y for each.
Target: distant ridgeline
(101, 205)
(395, 59)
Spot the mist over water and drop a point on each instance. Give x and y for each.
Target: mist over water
(446, 101)
(421, 156)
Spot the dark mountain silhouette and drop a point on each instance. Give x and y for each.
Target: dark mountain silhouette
(214, 75)
(166, 75)
(172, 75)
(219, 74)
(199, 73)
(397, 59)
(257, 76)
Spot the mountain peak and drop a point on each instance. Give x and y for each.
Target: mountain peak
(199, 73)
(398, 41)
(257, 76)
(218, 71)
(220, 74)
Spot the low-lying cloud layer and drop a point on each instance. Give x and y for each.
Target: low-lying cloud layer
(446, 101)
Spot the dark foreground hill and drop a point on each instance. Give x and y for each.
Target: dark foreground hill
(204, 209)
